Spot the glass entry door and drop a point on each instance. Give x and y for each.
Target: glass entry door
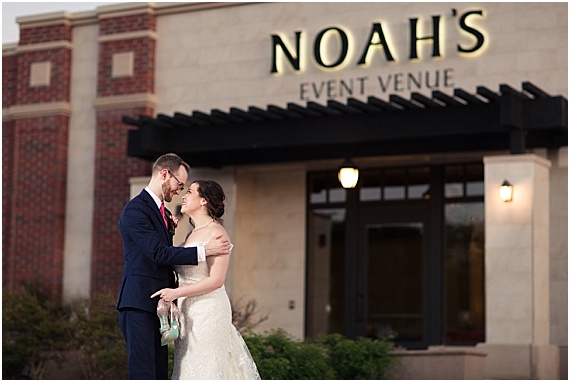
(392, 294)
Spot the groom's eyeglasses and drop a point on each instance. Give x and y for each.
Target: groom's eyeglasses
(180, 184)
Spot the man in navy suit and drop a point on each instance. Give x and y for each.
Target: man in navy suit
(149, 255)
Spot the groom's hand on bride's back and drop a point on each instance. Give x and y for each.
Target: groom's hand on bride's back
(218, 245)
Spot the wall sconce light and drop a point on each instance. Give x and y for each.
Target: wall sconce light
(348, 174)
(506, 191)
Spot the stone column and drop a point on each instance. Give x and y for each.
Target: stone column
(517, 270)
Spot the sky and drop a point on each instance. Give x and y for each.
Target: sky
(11, 10)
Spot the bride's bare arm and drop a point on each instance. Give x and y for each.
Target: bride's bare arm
(218, 266)
(218, 269)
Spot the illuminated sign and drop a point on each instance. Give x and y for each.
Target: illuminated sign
(378, 39)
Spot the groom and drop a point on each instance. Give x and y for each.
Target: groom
(149, 255)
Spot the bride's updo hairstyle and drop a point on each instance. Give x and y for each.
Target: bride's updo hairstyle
(214, 195)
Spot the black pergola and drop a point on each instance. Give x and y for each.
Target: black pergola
(486, 121)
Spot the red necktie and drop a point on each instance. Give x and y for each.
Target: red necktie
(163, 213)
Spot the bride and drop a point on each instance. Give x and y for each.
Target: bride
(209, 346)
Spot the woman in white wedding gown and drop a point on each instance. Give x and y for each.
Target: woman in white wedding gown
(209, 346)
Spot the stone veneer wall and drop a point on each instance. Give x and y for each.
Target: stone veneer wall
(559, 254)
(81, 162)
(270, 221)
(517, 270)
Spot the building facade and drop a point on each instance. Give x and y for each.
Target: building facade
(437, 104)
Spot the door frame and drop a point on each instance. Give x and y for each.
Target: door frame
(432, 264)
(434, 270)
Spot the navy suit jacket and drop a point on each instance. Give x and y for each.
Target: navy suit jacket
(148, 254)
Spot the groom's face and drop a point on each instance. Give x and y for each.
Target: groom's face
(172, 184)
(167, 191)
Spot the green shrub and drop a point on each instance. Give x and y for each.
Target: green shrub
(362, 358)
(278, 356)
(170, 360)
(97, 336)
(37, 330)
(34, 331)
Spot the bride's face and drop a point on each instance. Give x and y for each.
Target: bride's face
(191, 201)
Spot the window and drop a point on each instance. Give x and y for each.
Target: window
(464, 273)
(395, 184)
(464, 181)
(464, 227)
(325, 188)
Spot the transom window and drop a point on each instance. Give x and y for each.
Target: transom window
(395, 184)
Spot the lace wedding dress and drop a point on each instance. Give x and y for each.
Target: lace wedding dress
(209, 346)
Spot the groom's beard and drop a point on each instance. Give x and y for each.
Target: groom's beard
(167, 192)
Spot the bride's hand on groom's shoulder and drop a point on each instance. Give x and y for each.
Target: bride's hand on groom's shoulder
(218, 245)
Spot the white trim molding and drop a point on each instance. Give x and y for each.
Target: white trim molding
(36, 110)
(128, 36)
(126, 101)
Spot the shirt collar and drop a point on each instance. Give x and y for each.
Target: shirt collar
(154, 197)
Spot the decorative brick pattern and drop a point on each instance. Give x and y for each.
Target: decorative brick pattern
(144, 67)
(125, 24)
(50, 33)
(59, 88)
(112, 191)
(37, 219)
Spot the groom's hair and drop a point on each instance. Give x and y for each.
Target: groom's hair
(171, 162)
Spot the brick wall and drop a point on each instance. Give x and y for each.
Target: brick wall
(35, 150)
(112, 191)
(143, 79)
(58, 90)
(9, 74)
(34, 163)
(38, 189)
(113, 168)
(43, 34)
(125, 24)
(7, 196)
